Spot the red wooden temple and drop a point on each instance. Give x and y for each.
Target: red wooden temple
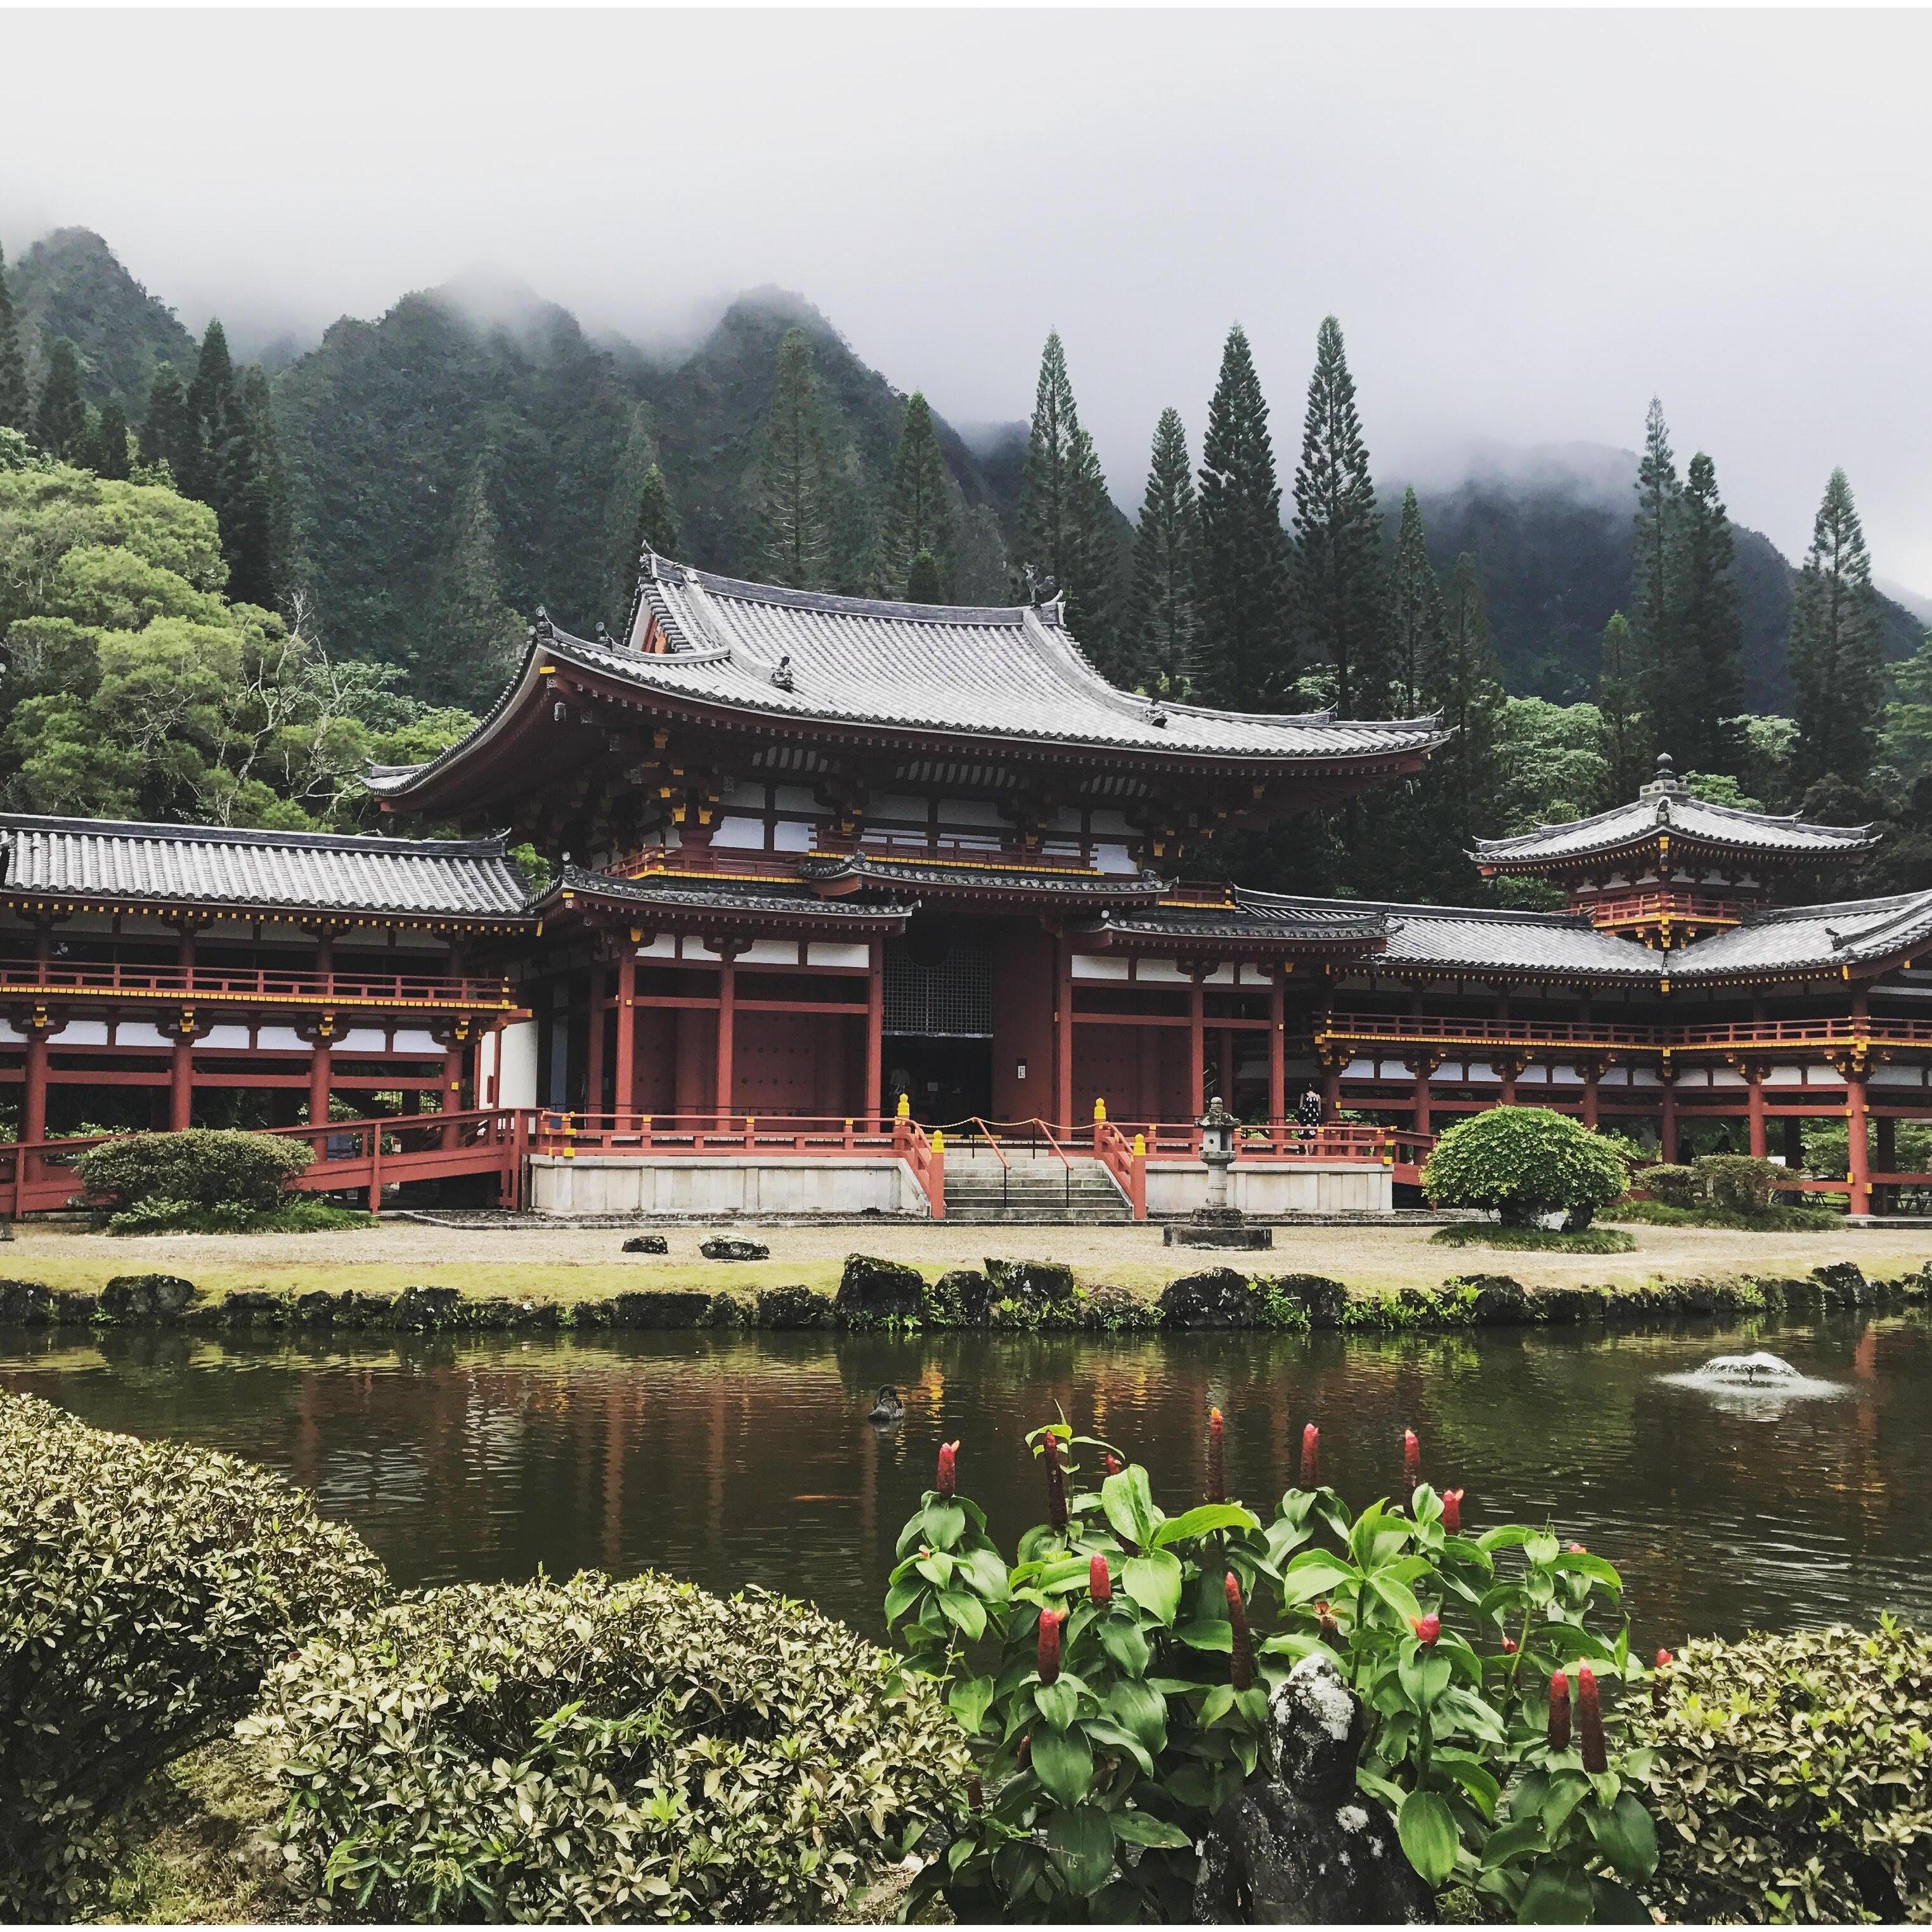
(815, 857)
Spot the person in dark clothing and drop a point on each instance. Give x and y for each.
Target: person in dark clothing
(1308, 1113)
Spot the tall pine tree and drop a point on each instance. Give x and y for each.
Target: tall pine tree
(1241, 574)
(1337, 537)
(258, 413)
(478, 638)
(15, 410)
(1626, 742)
(1414, 613)
(1065, 518)
(1702, 733)
(211, 404)
(166, 428)
(1167, 624)
(1465, 685)
(919, 509)
(1836, 651)
(60, 417)
(1653, 569)
(794, 481)
(107, 443)
(657, 518)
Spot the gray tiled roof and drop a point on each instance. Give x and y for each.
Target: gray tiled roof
(1810, 938)
(1012, 674)
(1669, 807)
(1254, 916)
(105, 859)
(685, 893)
(875, 869)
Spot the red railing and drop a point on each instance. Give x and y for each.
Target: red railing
(124, 979)
(1126, 1160)
(1424, 1029)
(1663, 908)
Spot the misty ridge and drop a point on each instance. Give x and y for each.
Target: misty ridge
(475, 452)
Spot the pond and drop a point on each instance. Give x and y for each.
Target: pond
(747, 1458)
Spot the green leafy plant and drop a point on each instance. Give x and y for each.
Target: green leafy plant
(1789, 1776)
(594, 1750)
(1523, 1162)
(1115, 1679)
(204, 1167)
(144, 1589)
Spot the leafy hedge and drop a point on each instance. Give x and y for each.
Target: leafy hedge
(1790, 1780)
(144, 1588)
(203, 1168)
(601, 1750)
(1524, 1161)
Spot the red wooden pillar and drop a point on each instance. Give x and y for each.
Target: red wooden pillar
(1590, 1073)
(1754, 1114)
(181, 1080)
(453, 1051)
(727, 998)
(875, 1029)
(1197, 1047)
(1277, 1104)
(1331, 1091)
(318, 1082)
(1422, 1066)
(593, 1057)
(624, 1096)
(1062, 1033)
(33, 1097)
(1859, 1163)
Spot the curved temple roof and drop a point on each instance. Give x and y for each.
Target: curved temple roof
(1666, 806)
(1014, 674)
(219, 866)
(1809, 940)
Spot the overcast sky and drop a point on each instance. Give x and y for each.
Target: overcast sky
(1528, 223)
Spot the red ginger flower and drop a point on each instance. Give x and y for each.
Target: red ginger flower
(1590, 1720)
(948, 1454)
(1056, 1483)
(1664, 1661)
(1558, 1736)
(1050, 1621)
(1331, 1627)
(1099, 1583)
(1241, 1664)
(1311, 1455)
(1452, 1512)
(1509, 1646)
(1411, 1458)
(1113, 1463)
(1427, 1628)
(1216, 1486)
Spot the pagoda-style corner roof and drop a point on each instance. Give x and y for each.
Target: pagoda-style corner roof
(1853, 938)
(699, 900)
(122, 866)
(806, 663)
(1666, 808)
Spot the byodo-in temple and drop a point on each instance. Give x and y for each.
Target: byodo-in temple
(851, 898)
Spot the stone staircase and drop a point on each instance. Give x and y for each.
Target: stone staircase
(1035, 1190)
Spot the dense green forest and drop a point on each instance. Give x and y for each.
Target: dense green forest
(274, 573)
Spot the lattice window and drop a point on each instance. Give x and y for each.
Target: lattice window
(952, 1000)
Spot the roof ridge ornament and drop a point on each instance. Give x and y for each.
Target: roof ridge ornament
(1667, 783)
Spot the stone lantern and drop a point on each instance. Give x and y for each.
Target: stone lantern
(1216, 1223)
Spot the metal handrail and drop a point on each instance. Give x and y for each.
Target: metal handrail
(992, 1140)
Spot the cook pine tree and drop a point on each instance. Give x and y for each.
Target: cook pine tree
(1338, 566)
(1709, 630)
(1065, 518)
(1626, 743)
(1414, 614)
(1242, 584)
(1835, 649)
(918, 518)
(60, 416)
(1167, 646)
(794, 477)
(1654, 572)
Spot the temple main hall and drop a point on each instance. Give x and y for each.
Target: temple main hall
(838, 886)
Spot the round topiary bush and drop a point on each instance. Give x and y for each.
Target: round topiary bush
(1790, 1779)
(1740, 1182)
(1523, 1162)
(203, 1168)
(144, 1589)
(601, 1750)
(1672, 1186)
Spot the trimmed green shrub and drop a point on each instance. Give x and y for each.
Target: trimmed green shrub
(1524, 1161)
(1790, 1779)
(1672, 1186)
(1565, 1240)
(1739, 1182)
(594, 1750)
(204, 1168)
(144, 1588)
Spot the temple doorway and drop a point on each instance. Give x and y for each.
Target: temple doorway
(938, 1045)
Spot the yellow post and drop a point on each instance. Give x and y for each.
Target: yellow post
(903, 1110)
(1100, 1109)
(938, 1141)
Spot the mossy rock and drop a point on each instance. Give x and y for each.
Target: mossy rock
(1107, 1309)
(26, 1304)
(647, 1244)
(1211, 1298)
(255, 1308)
(425, 1308)
(1499, 1301)
(671, 1308)
(318, 1309)
(960, 1298)
(1570, 1304)
(1321, 1300)
(1843, 1283)
(872, 1292)
(1042, 1284)
(794, 1305)
(156, 1298)
(729, 1248)
(364, 1308)
(75, 1305)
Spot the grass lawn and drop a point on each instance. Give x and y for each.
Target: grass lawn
(567, 1263)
